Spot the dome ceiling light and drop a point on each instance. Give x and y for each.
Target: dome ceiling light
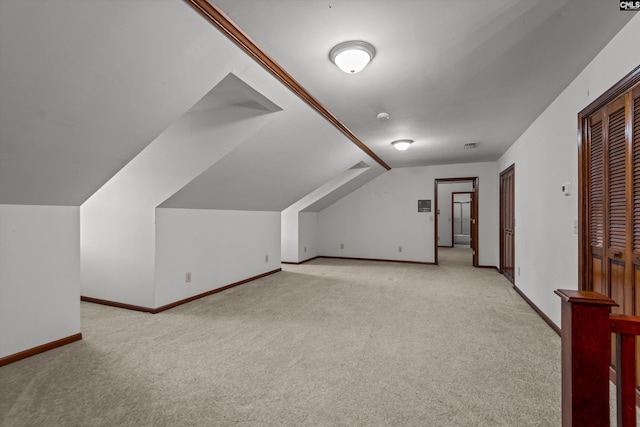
(352, 56)
(402, 144)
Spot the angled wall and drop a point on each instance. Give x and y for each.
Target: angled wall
(78, 100)
(83, 97)
(300, 221)
(118, 224)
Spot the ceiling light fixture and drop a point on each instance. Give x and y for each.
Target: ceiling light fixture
(352, 56)
(402, 144)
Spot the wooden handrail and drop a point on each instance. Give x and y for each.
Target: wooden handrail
(620, 324)
(586, 354)
(626, 328)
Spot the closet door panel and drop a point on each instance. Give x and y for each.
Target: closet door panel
(633, 126)
(609, 198)
(616, 202)
(595, 146)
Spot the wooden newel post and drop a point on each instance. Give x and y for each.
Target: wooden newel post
(586, 356)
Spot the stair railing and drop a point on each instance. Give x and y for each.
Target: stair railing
(587, 326)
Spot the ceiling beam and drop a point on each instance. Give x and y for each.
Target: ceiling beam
(222, 22)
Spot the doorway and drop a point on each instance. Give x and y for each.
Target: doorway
(444, 214)
(507, 222)
(461, 203)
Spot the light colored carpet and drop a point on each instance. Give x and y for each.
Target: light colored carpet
(328, 343)
(455, 256)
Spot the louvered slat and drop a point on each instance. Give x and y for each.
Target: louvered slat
(636, 174)
(617, 181)
(596, 187)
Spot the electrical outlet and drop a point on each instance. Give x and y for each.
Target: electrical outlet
(266, 258)
(518, 271)
(341, 245)
(187, 277)
(399, 248)
(305, 249)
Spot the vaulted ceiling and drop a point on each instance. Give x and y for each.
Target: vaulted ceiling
(86, 85)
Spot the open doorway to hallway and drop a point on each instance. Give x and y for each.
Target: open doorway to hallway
(456, 201)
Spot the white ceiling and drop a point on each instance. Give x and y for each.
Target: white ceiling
(86, 85)
(447, 72)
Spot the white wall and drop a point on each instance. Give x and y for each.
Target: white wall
(117, 222)
(309, 234)
(300, 229)
(373, 221)
(289, 238)
(546, 156)
(39, 275)
(217, 247)
(445, 236)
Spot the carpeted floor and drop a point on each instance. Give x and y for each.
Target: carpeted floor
(330, 343)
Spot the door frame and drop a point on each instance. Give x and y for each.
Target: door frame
(511, 168)
(475, 181)
(453, 196)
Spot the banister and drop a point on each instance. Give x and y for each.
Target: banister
(586, 353)
(585, 298)
(621, 324)
(586, 356)
(626, 328)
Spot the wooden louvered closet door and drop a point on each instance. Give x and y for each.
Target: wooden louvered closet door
(612, 136)
(507, 223)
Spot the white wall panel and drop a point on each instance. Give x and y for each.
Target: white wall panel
(39, 275)
(308, 232)
(218, 248)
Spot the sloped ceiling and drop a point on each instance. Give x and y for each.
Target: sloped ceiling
(275, 167)
(86, 85)
(233, 92)
(447, 72)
